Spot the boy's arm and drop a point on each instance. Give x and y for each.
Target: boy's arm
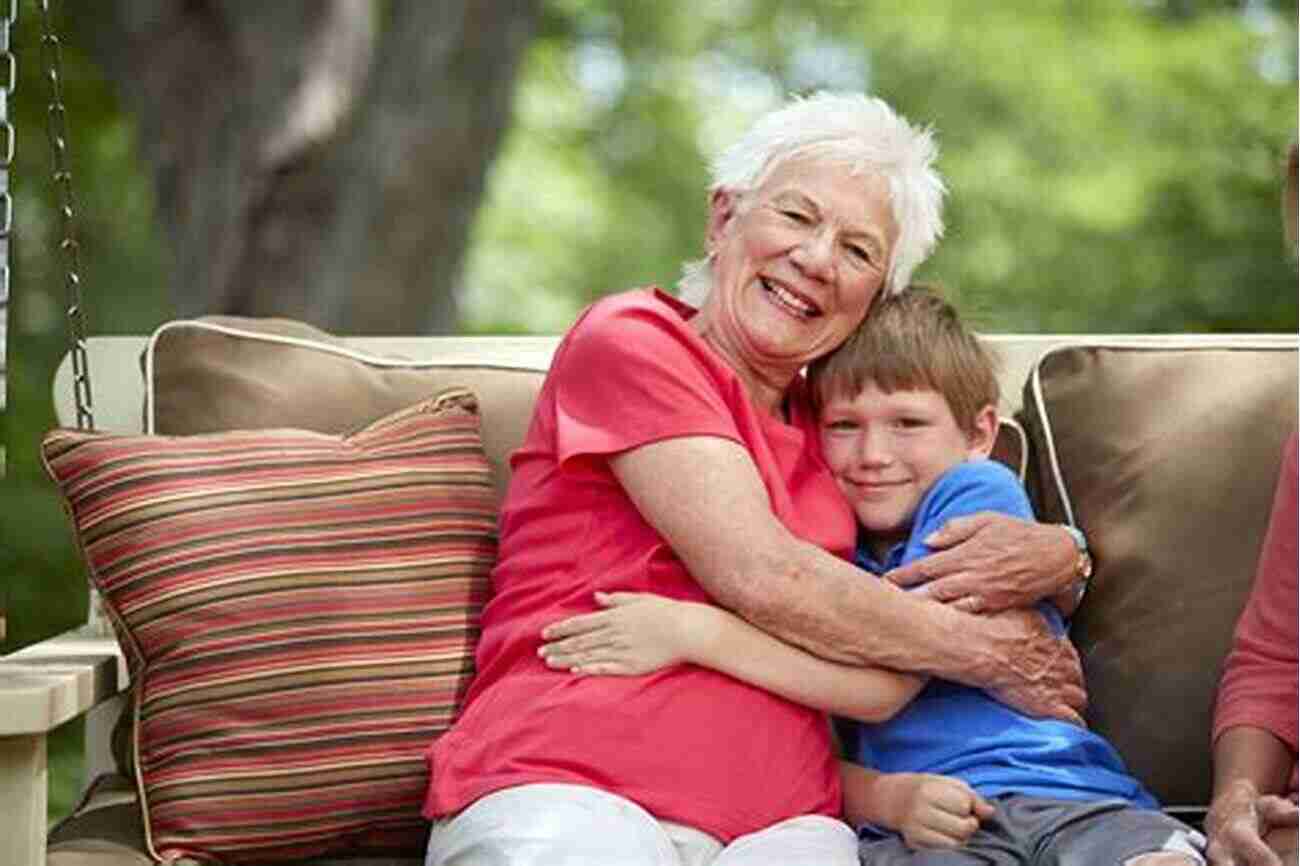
(640, 632)
(927, 810)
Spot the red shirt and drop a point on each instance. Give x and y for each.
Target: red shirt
(1259, 680)
(688, 744)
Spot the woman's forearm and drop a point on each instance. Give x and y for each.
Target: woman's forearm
(846, 617)
(1252, 755)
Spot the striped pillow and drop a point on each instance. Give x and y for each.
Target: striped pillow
(299, 610)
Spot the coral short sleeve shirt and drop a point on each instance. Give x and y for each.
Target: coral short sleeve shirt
(688, 744)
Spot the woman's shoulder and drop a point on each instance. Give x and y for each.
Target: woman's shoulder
(631, 322)
(646, 304)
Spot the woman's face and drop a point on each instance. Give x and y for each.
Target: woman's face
(796, 263)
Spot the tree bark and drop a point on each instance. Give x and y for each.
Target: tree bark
(311, 161)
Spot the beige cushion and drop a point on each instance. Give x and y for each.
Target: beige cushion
(226, 372)
(1167, 458)
(106, 830)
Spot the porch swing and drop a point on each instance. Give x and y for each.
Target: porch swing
(217, 389)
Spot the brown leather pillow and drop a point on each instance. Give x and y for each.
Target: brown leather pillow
(1167, 458)
(221, 373)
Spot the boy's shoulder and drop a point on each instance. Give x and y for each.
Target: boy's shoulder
(973, 486)
(984, 471)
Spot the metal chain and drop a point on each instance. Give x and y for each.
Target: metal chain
(57, 129)
(8, 84)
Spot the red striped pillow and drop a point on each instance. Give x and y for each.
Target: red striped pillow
(299, 610)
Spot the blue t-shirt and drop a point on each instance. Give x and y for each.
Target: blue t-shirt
(956, 730)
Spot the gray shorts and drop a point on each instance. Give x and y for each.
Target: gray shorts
(1037, 831)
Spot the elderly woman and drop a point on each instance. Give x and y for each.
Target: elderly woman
(673, 450)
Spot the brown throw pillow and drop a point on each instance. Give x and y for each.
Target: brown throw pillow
(299, 611)
(1167, 458)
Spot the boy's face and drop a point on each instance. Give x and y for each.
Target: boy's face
(887, 450)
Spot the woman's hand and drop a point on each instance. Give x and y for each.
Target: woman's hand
(990, 562)
(636, 633)
(931, 811)
(1032, 669)
(1238, 821)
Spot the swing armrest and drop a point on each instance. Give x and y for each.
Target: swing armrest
(41, 687)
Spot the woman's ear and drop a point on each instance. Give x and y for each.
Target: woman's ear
(722, 209)
(983, 433)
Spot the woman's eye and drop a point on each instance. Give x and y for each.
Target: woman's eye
(841, 426)
(860, 253)
(795, 216)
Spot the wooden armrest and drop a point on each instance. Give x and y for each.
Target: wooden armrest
(41, 687)
(51, 682)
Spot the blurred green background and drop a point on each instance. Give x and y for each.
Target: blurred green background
(1113, 166)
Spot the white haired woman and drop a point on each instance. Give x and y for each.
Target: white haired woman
(673, 450)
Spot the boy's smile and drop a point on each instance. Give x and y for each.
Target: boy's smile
(886, 450)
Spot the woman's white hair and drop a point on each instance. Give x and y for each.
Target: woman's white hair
(841, 128)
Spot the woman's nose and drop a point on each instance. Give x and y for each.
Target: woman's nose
(815, 255)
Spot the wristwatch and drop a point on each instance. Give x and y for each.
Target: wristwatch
(1082, 565)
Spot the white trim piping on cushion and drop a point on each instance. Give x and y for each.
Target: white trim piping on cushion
(1200, 343)
(1015, 425)
(299, 342)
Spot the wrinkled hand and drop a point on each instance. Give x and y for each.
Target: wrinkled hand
(636, 633)
(934, 811)
(1032, 669)
(1238, 821)
(990, 562)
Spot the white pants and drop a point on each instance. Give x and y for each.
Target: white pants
(574, 825)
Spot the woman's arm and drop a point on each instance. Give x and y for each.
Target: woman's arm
(704, 495)
(638, 633)
(1251, 769)
(989, 562)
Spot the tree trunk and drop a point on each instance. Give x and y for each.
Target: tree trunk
(311, 161)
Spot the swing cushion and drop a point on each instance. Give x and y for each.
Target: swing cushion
(219, 373)
(299, 611)
(1167, 458)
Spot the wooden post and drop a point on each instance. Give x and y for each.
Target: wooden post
(23, 791)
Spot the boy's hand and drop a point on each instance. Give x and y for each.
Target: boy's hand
(933, 811)
(637, 633)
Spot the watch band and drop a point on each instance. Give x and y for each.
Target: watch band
(1082, 565)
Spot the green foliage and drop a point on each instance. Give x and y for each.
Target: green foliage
(1113, 165)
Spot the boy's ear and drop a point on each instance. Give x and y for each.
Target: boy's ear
(984, 432)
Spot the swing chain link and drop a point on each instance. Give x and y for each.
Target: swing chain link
(8, 85)
(57, 129)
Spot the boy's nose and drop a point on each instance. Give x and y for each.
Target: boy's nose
(873, 450)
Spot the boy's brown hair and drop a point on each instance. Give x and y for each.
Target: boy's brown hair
(911, 341)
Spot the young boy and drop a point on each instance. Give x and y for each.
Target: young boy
(908, 419)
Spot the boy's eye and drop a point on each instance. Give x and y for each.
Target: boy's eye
(910, 423)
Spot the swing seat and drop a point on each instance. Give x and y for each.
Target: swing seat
(1164, 449)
